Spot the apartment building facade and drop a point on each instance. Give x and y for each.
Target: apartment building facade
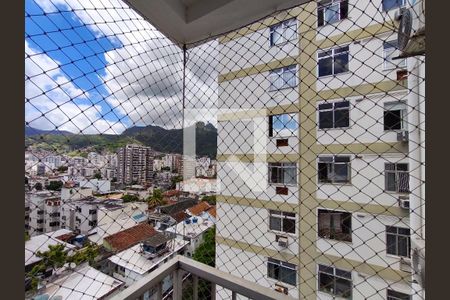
(313, 153)
(134, 164)
(42, 212)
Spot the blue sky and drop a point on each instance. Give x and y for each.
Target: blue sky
(97, 67)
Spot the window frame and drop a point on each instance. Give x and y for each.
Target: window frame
(282, 216)
(332, 172)
(403, 4)
(293, 117)
(321, 9)
(334, 274)
(332, 56)
(333, 109)
(400, 64)
(396, 173)
(281, 264)
(284, 26)
(397, 235)
(332, 235)
(397, 297)
(281, 166)
(279, 73)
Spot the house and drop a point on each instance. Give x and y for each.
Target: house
(129, 237)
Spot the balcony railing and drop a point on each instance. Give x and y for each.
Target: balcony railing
(179, 266)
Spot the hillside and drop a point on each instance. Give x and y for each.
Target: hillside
(160, 139)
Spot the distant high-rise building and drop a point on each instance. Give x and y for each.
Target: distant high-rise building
(134, 164)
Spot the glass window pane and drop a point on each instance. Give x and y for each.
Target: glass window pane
(290, 176)
(341, 118)
(391, 4)
(325, 119)
(288, 276)
(325, 106)
(392, 120)
(289, 225)
(326, 282)
(342, 104)
(341, 173)
(323, 172)
(403, 246)
(340, 63)
(291, 31)
(391, 244)
(343, 288)
(275, 223)
(390, 184)
(325, 66)
(331, 13)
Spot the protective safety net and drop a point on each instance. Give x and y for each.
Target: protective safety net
(289, 152)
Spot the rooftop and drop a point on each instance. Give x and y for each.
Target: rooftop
(41, 243)
(131, 236)
(97, 234)
(82, 283)
(137, 261)
(192, 229)
(199, 208)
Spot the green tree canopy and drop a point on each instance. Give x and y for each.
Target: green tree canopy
(130, 198)
(54, 185)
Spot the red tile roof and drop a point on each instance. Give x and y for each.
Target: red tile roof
(180, 216)
(199, 208)
(171, 193)
(130, 237)
(212, 211)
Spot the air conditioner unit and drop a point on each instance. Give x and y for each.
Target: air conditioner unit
(282, 241)
(402, 136)
(404, 203)
(281, 289)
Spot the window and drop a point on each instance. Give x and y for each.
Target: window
(285, 77)
(53, 224)
(334, 169)
(282, 221)
(333, 61)
(391, 4)
(335, 281)
(393, 295)
(282, 271)
(394, 116)
(92, 223)
(283, 125)
(330, 11)
(335, 225)
(398, 241)
(283, 173)
(120, 270)
(54, 215)
(92, 211)
(40, 221)
(396, 177)
(390, 50)
(334, 115)
(283, 32)
(40, 212)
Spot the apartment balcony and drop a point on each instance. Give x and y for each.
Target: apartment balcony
(311, 118)
(179, 267)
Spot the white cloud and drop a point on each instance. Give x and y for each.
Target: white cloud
(144, 76)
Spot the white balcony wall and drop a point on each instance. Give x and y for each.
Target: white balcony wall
(367, 181)
(366, 121)
(368, 241)
(247, 265)
(254, 49)
(253, 92)
(250, 180)
(235, 225)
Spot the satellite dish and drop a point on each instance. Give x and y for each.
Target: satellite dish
(404, 29)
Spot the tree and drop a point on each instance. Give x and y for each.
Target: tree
(89, 253)
(98, 175)
(210, 199)
(55, 257)
(205, 253)
(27, 236)
(54, 185)
(156, 199)
(38, 186)
(130, 198)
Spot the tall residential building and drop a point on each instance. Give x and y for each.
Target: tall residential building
(134, 164)
(314, 167)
